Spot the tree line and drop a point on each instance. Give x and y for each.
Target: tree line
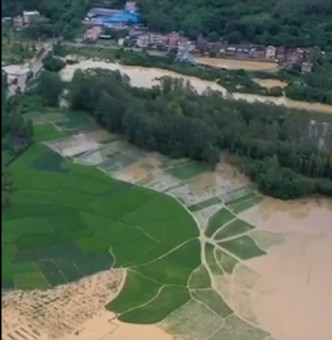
(289, 23)
(63, 16)
(16, 135)
(280, 149)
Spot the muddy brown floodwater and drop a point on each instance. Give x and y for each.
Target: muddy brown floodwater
(293, 296)
(148, 77)
(270, 83)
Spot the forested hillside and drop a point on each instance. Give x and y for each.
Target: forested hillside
(64, 16)
(285, 22)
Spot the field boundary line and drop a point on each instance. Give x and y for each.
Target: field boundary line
(146, 233)
(145, 303)
(217, 262)
(230, 238)
(203, 303)
(167, 253)
(222, 227)
(216, 331)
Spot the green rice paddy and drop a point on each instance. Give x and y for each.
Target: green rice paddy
(69, 221)
(188, 171)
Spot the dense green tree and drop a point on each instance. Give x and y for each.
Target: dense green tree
(278, 147)
(52, 63)
(50, 87)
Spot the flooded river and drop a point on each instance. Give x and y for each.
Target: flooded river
(147, 77)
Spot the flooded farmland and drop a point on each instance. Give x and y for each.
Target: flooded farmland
(294, 276)
(233, 64)
(270, 83)
(282, 294)
(148, 77)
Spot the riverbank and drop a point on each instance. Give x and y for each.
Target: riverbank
(234, 80)
(145, 76)
(234, 75)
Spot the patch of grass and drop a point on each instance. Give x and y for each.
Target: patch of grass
(175, 267)
(46, 132)
(169, 299)
(49, 161)
(244, 203)
(30, 225)
(213, 300)
(136, 291)
(226, 261)
(217, 220)
(211, 260)
(30, 280)
(77, 121)
(200, 278)
(188, 171)
(204, 204)
(243, 247)
(65, 218)
(87, 183)
(233, 228)
(117, 205)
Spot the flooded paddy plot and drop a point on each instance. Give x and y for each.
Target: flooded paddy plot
(270, 83)
(233, 64)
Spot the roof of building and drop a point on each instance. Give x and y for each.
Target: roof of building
(31, 13)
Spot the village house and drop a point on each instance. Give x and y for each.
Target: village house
(131, 6)
(143, 41)
(30, 17)
(271, 52)
(306, 67)
(92, 34)
(18, 21)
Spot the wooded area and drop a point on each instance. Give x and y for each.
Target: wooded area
(16, 135)
(287, 23)
(282, 150)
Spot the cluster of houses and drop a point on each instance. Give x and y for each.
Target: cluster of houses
(100, 22)
(288, 57)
